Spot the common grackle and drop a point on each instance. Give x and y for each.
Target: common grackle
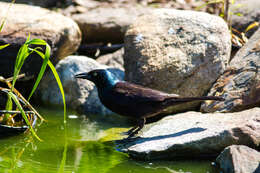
(133, 100)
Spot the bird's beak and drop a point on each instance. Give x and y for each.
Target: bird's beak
(82, 76)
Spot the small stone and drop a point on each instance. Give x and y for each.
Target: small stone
(239, 159)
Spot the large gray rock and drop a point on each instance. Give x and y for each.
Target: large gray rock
(181, 52)
(61, 32)
(193, 134)
(239, 159)
(239, 84)
(81, 95)
(107, 24)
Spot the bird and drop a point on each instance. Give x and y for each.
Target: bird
(132, 100)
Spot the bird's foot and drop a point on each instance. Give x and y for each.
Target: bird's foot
(132, 134)
(126, 133)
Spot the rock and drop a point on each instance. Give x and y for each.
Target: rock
(113, 60)
(240, 83)
(181, 52)
(81, 95)
(42, 3)
(238, 159)
(60, 32)
(249, 11)
(107, 24)
(193, 134)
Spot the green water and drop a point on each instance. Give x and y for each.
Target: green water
(90, 149)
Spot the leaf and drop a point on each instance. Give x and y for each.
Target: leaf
(14, 98)
(207, 3)
(43, 67)
(57, 78)
(20, 58)
(238, 14)
(251, 26)
(36, 42)
(3, 46)
(8, 106)
(2, 25)
(60, 86)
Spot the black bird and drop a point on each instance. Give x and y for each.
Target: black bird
(133, 100)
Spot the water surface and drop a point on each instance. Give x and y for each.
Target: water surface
(90, 149)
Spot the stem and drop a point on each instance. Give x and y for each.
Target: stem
(226, 11)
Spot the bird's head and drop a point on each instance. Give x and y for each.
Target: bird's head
(101, 77)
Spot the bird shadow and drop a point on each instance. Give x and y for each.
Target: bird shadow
(138, 140)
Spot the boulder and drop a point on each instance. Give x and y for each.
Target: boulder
(62, 34)
(240, 83)
(114, 59)
(194, 135)
(107, 24)
(81, 95)
(238, 159)
(181, 52)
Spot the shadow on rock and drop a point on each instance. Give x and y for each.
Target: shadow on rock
(154, 138)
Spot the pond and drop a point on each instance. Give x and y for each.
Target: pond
(90, 149)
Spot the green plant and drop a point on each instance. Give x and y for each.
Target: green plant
(13, 94)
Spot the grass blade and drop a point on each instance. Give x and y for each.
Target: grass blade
(4, 19)
(55, 73)
(43, 67)
(4, 46)
(36, 42)
(251, 26)
(8, 106)
(25, 101)
(2, 25)
(23, 53)
(207, 3)
(14, 98)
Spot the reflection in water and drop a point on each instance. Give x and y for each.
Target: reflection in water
(89, 150)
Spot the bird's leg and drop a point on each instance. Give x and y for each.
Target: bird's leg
(130, 131)
(139, 126)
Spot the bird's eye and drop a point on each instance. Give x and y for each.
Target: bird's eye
(95, 74)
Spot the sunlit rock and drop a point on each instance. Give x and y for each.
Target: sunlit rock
(181, 52)
(113, 60)
(238, 159)
(193, 134)
(81, 95)
(61, 32)
(240, 83)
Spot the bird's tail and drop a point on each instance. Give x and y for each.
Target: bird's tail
(179, 100)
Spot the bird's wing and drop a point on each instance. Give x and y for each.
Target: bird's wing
(140, 93)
